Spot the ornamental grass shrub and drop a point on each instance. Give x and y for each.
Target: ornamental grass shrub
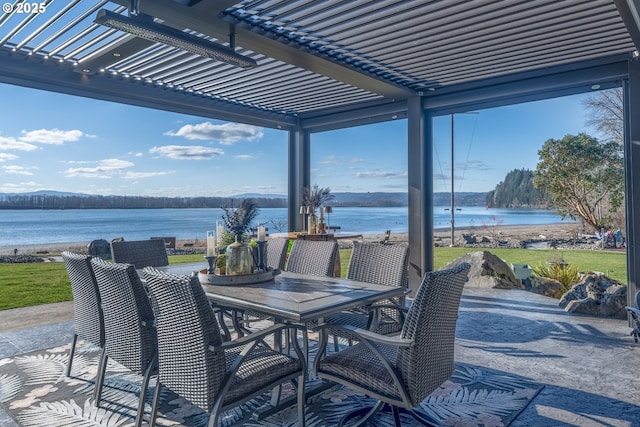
(567, 274)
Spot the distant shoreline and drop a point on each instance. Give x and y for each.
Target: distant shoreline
(522, 232)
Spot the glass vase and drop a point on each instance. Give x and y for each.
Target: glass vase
(239, 259)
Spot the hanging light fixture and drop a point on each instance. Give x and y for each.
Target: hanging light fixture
(145, 27)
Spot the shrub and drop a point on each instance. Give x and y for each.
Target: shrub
(568, 275)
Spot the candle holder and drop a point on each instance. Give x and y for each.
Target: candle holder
(329, 211)
(261, 265)
(211, 260)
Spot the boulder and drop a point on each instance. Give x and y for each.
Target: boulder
(488, 271)
(469, 239)
(596, 295)
(547, 287)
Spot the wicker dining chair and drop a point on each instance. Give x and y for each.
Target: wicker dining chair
(402, 370)
(634, 313)
(130, 335)
(140, 253)
(314, 257)
(382, 264)
(196, 364)
(87, 310)
(276, 253)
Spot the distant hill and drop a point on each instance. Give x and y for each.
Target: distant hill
(45, 193)
(259, 196)
(65, 200)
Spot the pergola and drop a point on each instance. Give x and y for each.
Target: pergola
(324, 65)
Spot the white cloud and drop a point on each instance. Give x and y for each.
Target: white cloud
(245, 157)
(330, 160)
(106, 169)
(20, 187)
(356, 160)
(8, 143)
(53, 136)
(17, 170)
(477, 165)
(187, 152)
(225, 134)
(6, 156)
(137, 175)
(380, 174)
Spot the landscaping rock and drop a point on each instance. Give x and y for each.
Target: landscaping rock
(547, 287)
(488, 271)
(12, 259)
(596, 295)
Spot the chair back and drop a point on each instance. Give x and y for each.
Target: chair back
(276, 253)
(313, 257)
(378, 263)
(130, 338)
(186, 328)
(431, 323)
(87, 310)
(140, 253)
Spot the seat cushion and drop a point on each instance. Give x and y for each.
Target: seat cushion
(262, 368)
(360, 366)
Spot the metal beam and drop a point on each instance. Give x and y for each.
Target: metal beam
(116, 52)
(518, 88)
(629, 11)
(356, 116)
(205, 17)
(506, 90)
(34, 72)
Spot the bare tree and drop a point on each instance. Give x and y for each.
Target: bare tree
(605, 113)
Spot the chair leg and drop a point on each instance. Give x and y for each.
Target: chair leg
(366, 413)
(143, 390)
(396, 416)
(71, 354)
(102, 368)
(302, 401)
(154, 405)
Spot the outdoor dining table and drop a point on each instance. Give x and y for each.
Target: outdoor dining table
(292, 298)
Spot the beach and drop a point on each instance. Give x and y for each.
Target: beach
(442, 237)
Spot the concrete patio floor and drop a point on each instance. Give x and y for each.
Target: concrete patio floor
(588, 366)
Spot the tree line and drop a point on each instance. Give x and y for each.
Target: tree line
(48, 201)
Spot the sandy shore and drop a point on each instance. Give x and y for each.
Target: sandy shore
(441, 237)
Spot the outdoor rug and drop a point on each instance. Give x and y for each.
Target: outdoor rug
(35, 392)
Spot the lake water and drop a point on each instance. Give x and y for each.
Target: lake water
(24, 227)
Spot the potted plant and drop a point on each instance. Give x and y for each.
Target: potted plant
(237, 221)
(315, 197)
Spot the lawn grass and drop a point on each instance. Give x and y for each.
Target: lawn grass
(25, 285)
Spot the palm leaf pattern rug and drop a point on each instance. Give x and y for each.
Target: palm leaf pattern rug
(35, 392)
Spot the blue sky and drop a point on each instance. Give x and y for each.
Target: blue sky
(50, 141)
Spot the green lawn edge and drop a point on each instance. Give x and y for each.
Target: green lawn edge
(26, 285)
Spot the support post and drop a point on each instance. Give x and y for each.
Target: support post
(420, 187)
(299, 175)
(632, 174)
